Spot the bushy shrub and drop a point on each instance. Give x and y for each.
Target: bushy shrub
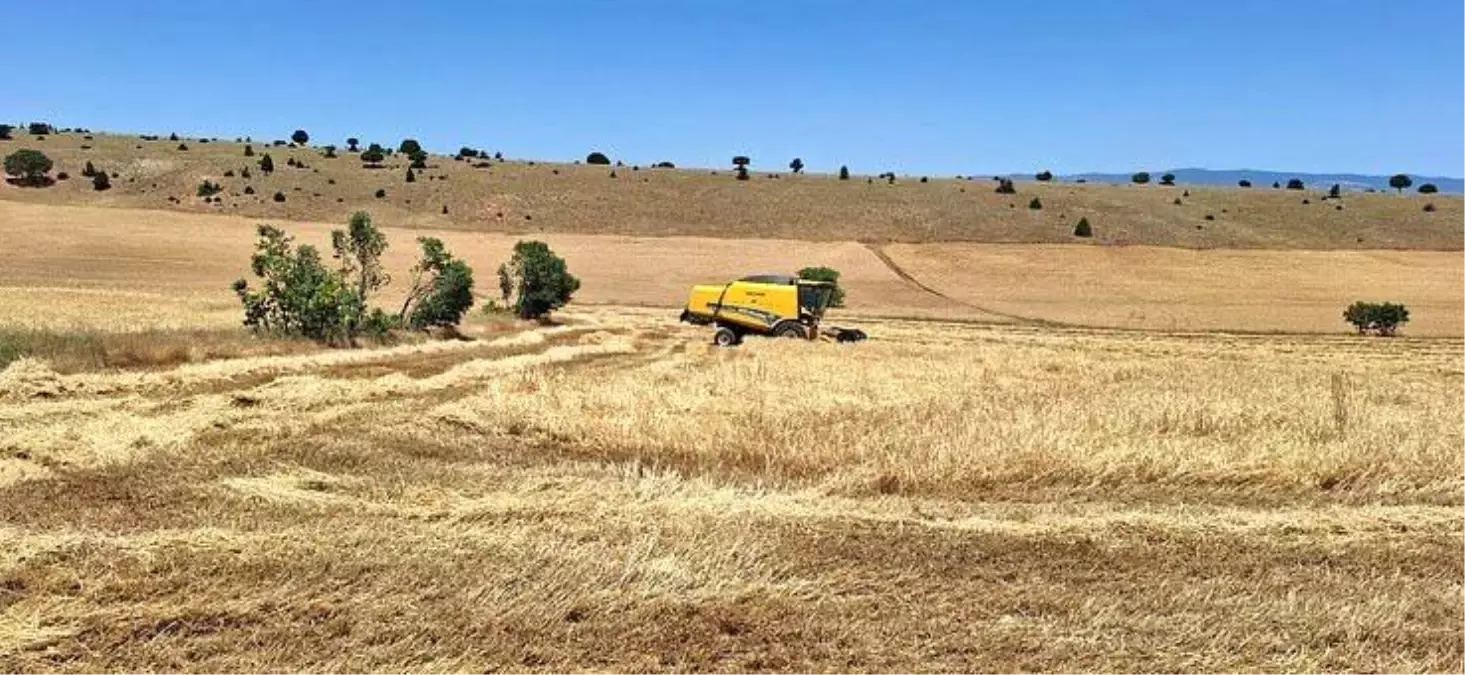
(300, 137)
(62, 175)
(1210, 217)
(249, 189)
(1177, 202)
(351, 144)
(279, 196)
(843, 172)
(1243, 183)
(1428, 189)
(1140, 178)
(173, 137)
(1379, 318)
(535, 281)
(267, 164)
(1276, 185)
(1295, 184)
(329, 152)
(1083, 229)
(742, 173)
(373, 156)
(1044, 176)
(1335, 192)
(1036, 204)
(381, 194)
(664, 165)
(244, 172)
(441, 291)
(1429, 207)
(419, 159)
(183, 147)
(28, 166)
(829, 274)
(209, 188)
(1167, 179)
(409, 147)
(228, 173)
(1005, 187)
(5, 131)
(289, 161)
(43, 129)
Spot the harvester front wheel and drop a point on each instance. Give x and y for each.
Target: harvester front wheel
(725, 337)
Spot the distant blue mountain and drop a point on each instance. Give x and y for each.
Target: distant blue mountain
(1264, 179)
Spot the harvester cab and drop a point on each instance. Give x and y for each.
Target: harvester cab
(775, 305)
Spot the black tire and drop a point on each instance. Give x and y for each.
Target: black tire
(725, 337)
(790, 330)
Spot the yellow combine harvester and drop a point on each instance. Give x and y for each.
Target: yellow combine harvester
(766, 304)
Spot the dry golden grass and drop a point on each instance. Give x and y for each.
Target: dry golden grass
(564, 198)
(615, 495)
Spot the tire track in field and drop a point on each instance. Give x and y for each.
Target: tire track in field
(899, 271)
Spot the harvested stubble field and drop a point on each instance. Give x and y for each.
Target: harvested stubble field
(613, 494)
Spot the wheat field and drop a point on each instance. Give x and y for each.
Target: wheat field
(614, 494)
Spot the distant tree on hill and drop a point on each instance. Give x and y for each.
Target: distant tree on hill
(1400, 181)
(1140, 178)
(1044, 176)
(300, 137)
(249, 151)
(741, 160)
(419, 159)
(1244, 183)
(1428, 189)
(1083, 229)
(5, 131)
(597, 158)
(373, 156)
(409, 146)
(466, 151)
(279, 196)
(330, 152)
(843, 172)
(28, 166)
(267, 164)
(1276, 185)
(1295, 184)
(796, 166)
(1168, 179)
(41, 129)
(1335, 192)
(351, 144)
(1005, 187)
(664, 165)
(381, 193)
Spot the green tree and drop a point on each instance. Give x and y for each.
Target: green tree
(1400, 181)
(409, 147)
(796, 166)
(1295, 184)
(28, 166)
(1044, 176)
(267, 164)
(1428, 189)
(597, 158)
(1037, 204)
(441, 290)
(373, 156)
(829, 274)
(249, 151)
(1083, 229)
(298, 294)
(5, 131)
(1381, 318)
(1140, 178)
(101, 182)
(1244, 183)
(359, 249)
(351, 144)
(1167, 179)
(330, 152)
(419, 159)
(843, 172)
(535, 281)
(1335, 192)
(741, 160)
(44, 129)
(300, 137)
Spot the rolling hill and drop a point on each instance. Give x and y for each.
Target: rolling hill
(1263, 179)
(528, 196)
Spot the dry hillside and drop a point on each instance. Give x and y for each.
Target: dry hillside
(519, 196)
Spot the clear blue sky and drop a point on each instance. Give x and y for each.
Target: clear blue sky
(926, 86)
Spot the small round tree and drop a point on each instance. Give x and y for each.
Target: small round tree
(267, 163)
(373, 156)
(597, 158)
(300, 137)
(1167, 179)
(1244, 183)
(1044, 176)
(351, 144)
(1140, 178)
(535, 281)
(1400, 181)
(796, 166)
(28, 166)
(1428, 189)
(409, 147)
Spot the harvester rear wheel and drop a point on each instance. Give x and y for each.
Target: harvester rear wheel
(725, 337)
(790, 330)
